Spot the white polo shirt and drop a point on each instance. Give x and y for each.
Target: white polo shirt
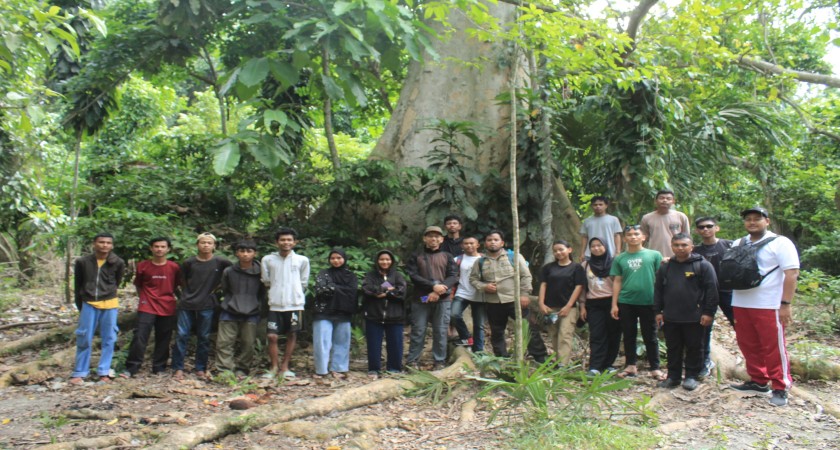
(768, 295)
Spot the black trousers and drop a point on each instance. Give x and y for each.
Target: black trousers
(163, 326)
(498, 315)
(604, 334)
(684, 339)
(629, 316)
(725, 306)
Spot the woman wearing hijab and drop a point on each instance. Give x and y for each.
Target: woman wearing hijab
(335, 303)
(604, 331)
(383, 290)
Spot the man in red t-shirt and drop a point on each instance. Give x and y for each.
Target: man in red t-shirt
(156, 280)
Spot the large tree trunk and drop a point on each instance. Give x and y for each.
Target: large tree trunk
(455, 91)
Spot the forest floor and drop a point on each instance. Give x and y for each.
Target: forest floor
(42, 408)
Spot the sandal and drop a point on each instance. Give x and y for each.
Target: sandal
(77, 381)
(627, 373)
(178, 375)
(658, 375)
(339, 375)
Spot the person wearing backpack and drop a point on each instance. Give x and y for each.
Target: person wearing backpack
(685, 298)
(764, 310)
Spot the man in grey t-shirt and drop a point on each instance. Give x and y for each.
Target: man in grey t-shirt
(601, 225)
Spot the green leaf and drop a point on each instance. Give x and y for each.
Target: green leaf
(254, 72)
(275, 115)
(226, 157)
(342, 7)
(284, 72)
(12, 95)
(97, 22)
(332, 89)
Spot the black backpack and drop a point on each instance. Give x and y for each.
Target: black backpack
(739, 266)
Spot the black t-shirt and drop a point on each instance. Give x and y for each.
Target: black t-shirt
(714, 253)
(560, 282)
(201, 280)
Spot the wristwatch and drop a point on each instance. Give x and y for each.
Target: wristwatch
(785, 302)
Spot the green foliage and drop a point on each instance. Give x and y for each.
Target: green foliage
(818, 300)
(448, 178)
(561, 403)
(132, 231)
(430, 388)
(241, 387)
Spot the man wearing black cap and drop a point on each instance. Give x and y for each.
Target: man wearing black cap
(433, 273)
(763, 312)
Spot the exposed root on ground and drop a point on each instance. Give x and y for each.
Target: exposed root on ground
(231, 422)
(65, 334)
(330, 429)
(728, 367)
(33, 372)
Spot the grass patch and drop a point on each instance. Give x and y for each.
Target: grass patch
(581, 434)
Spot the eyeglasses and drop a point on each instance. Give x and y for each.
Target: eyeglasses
(705, 227)
(632, 227)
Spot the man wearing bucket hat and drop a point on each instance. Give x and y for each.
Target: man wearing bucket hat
(433, 273)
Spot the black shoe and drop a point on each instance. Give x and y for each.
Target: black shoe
(751, 386)
(540, 359)
(438, 365)
(779, 397)
(690, 384)
(668, 383)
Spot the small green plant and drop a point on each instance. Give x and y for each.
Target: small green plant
(357, 335)
(43, 354)
(431, 388)
(228, 378)
(52, 423)
(121, 354)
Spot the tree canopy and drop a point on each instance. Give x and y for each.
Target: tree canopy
(239, 116)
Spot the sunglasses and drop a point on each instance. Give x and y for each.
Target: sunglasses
(632, 227)
(705, 227)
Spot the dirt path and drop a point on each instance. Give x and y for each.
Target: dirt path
(149, 406)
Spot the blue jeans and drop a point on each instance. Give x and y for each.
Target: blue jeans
(393, 333)
(331, 345)
(459, 305)
(89, 319)
(420, 314)
(203, 321)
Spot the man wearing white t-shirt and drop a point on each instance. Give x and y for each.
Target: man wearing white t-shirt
(466, 295)
(763, 312)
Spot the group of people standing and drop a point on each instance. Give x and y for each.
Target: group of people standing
(670, 284)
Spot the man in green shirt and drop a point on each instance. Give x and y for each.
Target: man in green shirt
(634, 273)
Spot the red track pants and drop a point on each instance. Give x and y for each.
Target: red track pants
(761, 338)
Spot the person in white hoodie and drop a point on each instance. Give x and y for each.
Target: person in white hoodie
(286, 274)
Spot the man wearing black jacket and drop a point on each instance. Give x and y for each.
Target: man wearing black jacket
(433, 273)
(97, 278)
(685, 300)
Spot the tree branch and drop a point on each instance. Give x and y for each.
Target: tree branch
(805, 77)
(808, 124)
(637, 16)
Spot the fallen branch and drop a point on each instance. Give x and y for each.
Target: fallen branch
(24, 324)
(222, 424)
(110, 440)
(65, 333)
(329, 429)
(727, 366)
(33, 372)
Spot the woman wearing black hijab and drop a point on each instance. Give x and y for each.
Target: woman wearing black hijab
(384, 307)
(336, 300)
(604, 331)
